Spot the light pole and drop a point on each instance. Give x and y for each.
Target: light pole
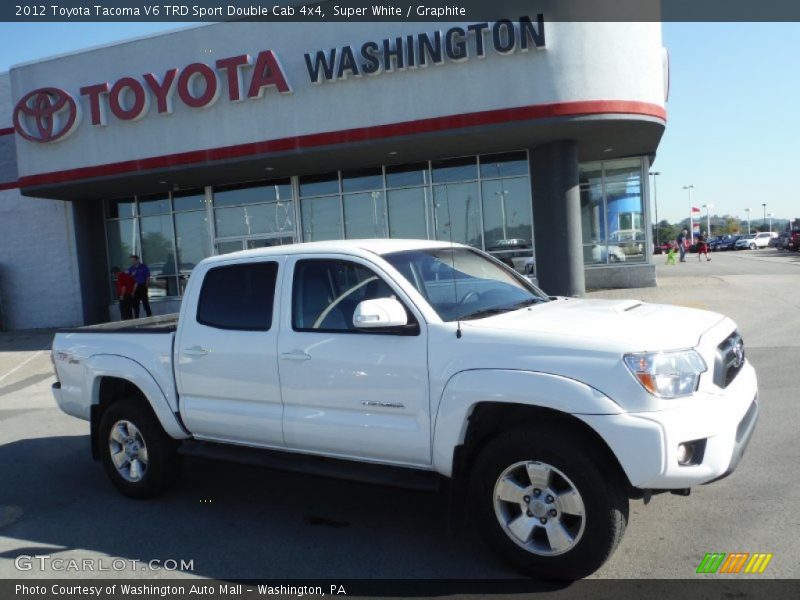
(769, 215)
(747, 210)
(690, 187)
(708, 208)
(764, 220)
(655, 201)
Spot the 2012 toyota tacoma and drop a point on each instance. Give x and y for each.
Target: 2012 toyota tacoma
(396, 360)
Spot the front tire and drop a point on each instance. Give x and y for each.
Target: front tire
(138, 456)
(544, 505)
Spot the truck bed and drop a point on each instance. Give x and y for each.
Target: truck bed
(156, 324)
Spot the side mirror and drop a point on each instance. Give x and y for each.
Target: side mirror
(379, 313)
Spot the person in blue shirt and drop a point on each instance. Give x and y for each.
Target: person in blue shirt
(141, 276)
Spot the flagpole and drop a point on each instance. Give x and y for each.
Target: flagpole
(690, 187)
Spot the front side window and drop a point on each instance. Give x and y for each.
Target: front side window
(238, 297)
(326, 292)
(460, 283)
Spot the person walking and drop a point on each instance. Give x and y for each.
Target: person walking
(682, 244)
(125, 284)
(702, 247)
(141, 276)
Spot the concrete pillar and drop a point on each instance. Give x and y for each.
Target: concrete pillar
(557, 218)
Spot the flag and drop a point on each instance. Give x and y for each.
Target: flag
(695, 209)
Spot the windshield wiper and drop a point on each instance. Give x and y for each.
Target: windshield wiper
(487, 312)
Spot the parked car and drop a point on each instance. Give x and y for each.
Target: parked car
(727, 242)
(790, 240)
(514, 252)
(661, 248)
(755, 240)
(404, 362)
(602, 253)
(630, 241)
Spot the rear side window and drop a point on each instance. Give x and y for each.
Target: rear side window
(238, 297)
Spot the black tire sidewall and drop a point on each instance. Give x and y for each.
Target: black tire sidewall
(162, 460)
(605, 503)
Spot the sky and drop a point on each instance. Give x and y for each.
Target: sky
(733, 127)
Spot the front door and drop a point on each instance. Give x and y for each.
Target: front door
(348, 392)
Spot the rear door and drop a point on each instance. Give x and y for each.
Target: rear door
(225, 355)
(350, 392)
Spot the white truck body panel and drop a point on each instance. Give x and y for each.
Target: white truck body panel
(406, 399)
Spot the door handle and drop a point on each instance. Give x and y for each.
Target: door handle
(296, 356)
(196, 351)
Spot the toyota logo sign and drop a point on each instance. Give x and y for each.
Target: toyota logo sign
(46, 115)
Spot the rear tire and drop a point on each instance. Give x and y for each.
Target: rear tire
(752, 246)
(544, 505)
(138, 456)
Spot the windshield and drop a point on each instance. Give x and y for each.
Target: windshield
(461, 283)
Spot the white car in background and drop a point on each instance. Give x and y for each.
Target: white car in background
(601, 253)
(755, 240)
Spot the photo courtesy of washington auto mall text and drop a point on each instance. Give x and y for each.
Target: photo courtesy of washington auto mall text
(398, 299)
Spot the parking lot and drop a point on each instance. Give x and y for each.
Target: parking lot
(241, 522)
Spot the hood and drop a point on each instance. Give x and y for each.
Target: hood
(630, 324)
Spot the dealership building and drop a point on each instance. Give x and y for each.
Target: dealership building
(525, 137)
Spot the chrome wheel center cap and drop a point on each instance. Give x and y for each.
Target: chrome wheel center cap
(538, 509)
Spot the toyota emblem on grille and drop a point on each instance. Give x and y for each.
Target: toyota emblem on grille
(46, 115)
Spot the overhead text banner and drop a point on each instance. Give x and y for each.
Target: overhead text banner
(390, 10)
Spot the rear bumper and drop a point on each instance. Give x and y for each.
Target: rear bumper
(646, 444)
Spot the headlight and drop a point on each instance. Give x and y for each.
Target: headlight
(667, 374)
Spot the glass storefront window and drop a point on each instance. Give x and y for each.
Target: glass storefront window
(195, 200)
(407, 175)
(319, 185)
(365, 215)
(254, 219)
(267, 191)
(121, 209)
(509, 164)
(228, 247)
(193, 240)
(612, 211)
(506, 210)
(322, 218)
(457, 213)
(595, 248)
(408, 213)
(123, 240)
(455, 169)
(623, 188)
(158, 252)
(362, 180)
(154, 205)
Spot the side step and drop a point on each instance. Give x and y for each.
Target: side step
(412, 479)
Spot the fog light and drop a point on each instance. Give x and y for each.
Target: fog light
(685, 453)
(691, 453)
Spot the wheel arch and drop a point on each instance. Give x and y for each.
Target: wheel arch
(112, 378)
(476, 405)
(488, 419)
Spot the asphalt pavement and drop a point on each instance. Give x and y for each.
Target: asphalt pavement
(240, 522)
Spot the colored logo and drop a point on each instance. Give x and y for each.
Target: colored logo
(46, 115)
(735, 562)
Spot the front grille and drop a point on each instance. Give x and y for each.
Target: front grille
(729, 360)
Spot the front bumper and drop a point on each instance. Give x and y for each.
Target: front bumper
(646, 444)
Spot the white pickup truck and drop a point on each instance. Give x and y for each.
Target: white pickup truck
(397, 361)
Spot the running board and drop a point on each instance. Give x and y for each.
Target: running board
(412, 479)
